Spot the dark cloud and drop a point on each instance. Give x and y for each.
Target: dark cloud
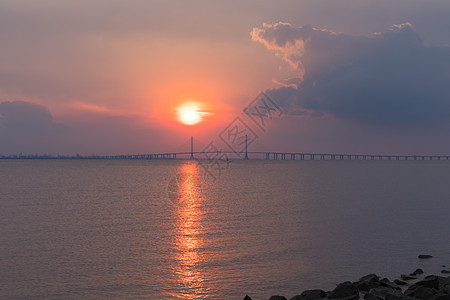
(29, 128)
(390, 77)
(24, 117)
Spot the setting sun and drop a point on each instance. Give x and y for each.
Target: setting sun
(189, 116)
(190, 113)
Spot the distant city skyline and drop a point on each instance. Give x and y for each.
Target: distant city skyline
(114, 77)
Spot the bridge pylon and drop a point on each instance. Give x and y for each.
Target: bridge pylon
(246, 153)
(192, 147)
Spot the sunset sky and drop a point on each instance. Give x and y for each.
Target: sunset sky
(110, 77)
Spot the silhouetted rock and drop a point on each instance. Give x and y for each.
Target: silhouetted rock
(310, 295)
(381, 291)
(407, 277)
(417, 272)
(367, 282)
(445, 272)
(424, 256)
(363, 286)
(345, 290)
(440, 297)
(421, 292)
(444, 288)
(370, 296)
(431, 287)
(370, 278)
(276, 297)
(399, 282)
(389, 284)
(431, 281)
(444, 281)
(390, 296)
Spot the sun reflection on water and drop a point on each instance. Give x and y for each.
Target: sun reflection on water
(188, 232)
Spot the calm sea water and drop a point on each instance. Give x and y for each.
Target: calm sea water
(118, 229)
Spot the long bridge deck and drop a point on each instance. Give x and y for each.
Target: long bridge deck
(229, 155)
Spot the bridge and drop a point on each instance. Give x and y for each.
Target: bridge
(230, 155)
(250, 155)
(246, 155)
(242, 155)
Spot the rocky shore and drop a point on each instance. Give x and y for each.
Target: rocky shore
(415, 285)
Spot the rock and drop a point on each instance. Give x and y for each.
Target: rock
(445, 272)
(430, 282)
(247, 297)
(310, 295)
(367, 282)
(390, 296)
(399, 282)
(276, 297)
(381, 291)
(417, 272)
(443, 281)
(345, 290)
(421, 292)
(445, 288)
(364, 286)
(440, 297)
(424, 256)
(370, 278)
(370, 296)
(407, 277)
(390, 284)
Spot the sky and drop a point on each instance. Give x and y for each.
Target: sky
(110, 77)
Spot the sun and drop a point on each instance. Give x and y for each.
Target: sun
(190, 113)
(189, 116)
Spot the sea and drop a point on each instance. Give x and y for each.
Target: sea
(178, 229)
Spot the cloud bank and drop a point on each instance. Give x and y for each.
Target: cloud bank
(386, 78)
(20, 117)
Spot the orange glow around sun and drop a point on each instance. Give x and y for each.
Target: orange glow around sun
(190, 113)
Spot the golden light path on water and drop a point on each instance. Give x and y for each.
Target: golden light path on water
(187, 235)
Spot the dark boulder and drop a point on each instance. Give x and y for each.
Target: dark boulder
(370, 296)
(345, 290)
(444, 281)
(421, 292)
(440, 297)
(247, 297)
(431, 281)
(389, 284)
(367, 282)
(445, 272)
(381, 291)
(425, 256)
(364, 286)
(445, 288)
(310, 295)
(397, 296)
(417, 272)
(370, 278)
(407, 277)
(399, 282)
